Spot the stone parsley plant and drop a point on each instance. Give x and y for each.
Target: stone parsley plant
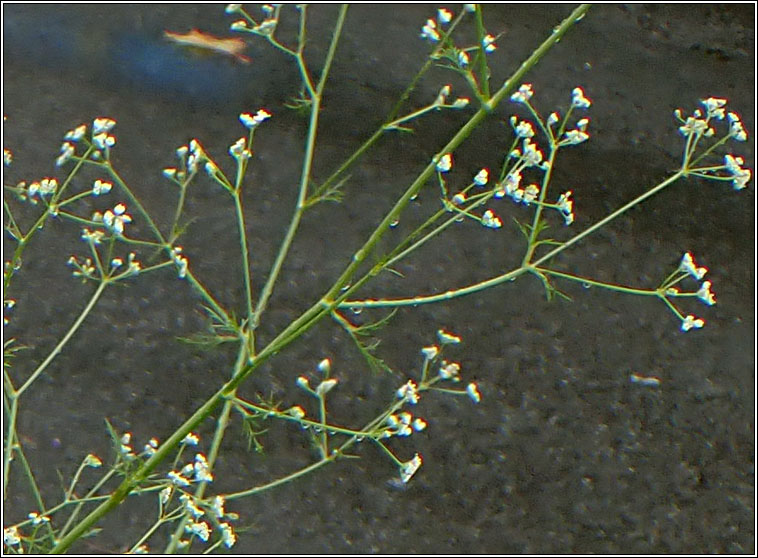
(176, 472)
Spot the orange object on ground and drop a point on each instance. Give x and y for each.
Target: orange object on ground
(196, 38)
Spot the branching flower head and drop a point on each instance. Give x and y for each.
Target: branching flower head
(741, 176)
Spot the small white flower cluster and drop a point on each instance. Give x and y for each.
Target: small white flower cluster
(444, 163)
(566, 206)
(403, 424)
(578, 135)
(408, 392)
(449, 371)
(441, 101)
(324, 387)
(199, 528)
(699, 124)
(180, 260)
(40, 190)
(523, 94)
(190, 156)
(100, 187)
(490, 220)
(688, 266)
(265, 27)
(197, 471)
(11, 536)
(430, 31)
(115, 219)
(409, 468)
(101, 140)
(251, 121)
(125, 449)
(740, 175)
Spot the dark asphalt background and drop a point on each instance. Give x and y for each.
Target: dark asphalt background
(564, 453)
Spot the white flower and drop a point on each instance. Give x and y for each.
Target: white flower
(736, 129)
(490, 220)
(251, 121)
(692, 322)
(444, 16)
(92, 461)
(38, 519)
(509, 185)
(408, 469)
(714, 107)
(578, 100)
(447, 338)
(102, 126)
(103, 141)
(429, 31)
(449, 370)
(482, 177)
(530, 193)
(76, 134)
(418, 424)
(236, 150)
(532, 156)
(190, 506)
(566, 207)
(200, 529)
(232, 8)
(202, 469)
(326, 386)
(488, 44)
(178, 479)
(191, 439)
(11, 536)
(116, 219)
(741, 175)
(238, 25)
(67, 151)
(324, 366)
(182, 263)
(695, 126)
(460, 102)
(473, 392)
(218, 506)
(463, 59)
(100, 187)
(430, 352)
(165, 494)
(443, 94)
(574, 137)
(227, 535)
(523, 94)
(523, 129)
(687, 265)
(296, 411)
(705, 293)
(445, 163)
(408, 392)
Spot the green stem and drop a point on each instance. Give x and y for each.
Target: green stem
(305, 174)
